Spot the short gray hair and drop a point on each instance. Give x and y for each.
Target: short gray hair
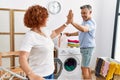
(89, 7)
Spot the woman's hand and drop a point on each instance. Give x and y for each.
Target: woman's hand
(70, 17)
(33, 76)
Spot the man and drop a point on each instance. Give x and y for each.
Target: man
(86, 35)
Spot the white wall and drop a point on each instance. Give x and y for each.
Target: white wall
(103, 13)
(105, 26)
(54, 20)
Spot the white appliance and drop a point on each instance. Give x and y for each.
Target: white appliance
(71, 62)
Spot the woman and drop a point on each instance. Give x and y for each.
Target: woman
(36, 52)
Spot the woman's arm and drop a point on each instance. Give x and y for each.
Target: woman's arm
(61, 28)
(23, 60)
(58, 30)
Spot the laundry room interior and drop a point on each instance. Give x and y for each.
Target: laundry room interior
(105, 60)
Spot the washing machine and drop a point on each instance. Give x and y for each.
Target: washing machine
(71, 63)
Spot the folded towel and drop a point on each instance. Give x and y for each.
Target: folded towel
(75, 41)
(98, 67)
(112, 68)
(105, 68)
(117, 71)
(73, 44)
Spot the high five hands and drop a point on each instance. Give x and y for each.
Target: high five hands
(70, 17)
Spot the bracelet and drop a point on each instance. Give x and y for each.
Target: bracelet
(65, 24)
(69, 34)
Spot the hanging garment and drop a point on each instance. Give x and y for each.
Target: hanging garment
(105, 68)
(112, 68)
(98, 67)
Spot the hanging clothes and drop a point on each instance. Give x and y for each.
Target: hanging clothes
(105, 68)
(112, 68)
(98, 67)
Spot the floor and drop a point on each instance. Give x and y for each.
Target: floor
(96, 78)
(93, 76)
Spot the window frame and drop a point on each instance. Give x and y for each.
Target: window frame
(117, 14)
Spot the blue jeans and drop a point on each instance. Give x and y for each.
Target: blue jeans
(86, 54)
(49, 77)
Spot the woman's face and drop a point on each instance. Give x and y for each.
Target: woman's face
(45, 23)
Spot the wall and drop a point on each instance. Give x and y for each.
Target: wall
(103, 13)
(106, 16)
(54, 20)
(105, 26)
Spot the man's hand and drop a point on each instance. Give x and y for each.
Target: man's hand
(67, 34)
(70, 17)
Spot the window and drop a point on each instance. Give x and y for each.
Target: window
(116, 37)
(12, 30)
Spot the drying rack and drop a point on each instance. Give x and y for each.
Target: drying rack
(11, 75)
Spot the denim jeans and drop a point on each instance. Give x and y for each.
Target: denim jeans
(49, 77)
(86, 54)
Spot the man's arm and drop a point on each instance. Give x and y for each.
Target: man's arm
(80, 27)
(71, 34)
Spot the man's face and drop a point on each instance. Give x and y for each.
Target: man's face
(86, 14)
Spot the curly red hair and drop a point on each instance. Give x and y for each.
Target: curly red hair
(35, 16)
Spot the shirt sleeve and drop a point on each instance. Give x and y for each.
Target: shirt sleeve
(90, 25)
(27, 43)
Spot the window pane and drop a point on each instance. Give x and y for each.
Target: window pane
(4, 43)
(117, 47)
(4, 21)
(119, 6)
(6, 62)
(18, 41)
(18, 22)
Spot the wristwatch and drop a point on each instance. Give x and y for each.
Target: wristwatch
(54, 7)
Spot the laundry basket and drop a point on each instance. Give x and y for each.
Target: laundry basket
(107, 69)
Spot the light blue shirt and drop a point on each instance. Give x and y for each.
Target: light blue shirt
(87, 39)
